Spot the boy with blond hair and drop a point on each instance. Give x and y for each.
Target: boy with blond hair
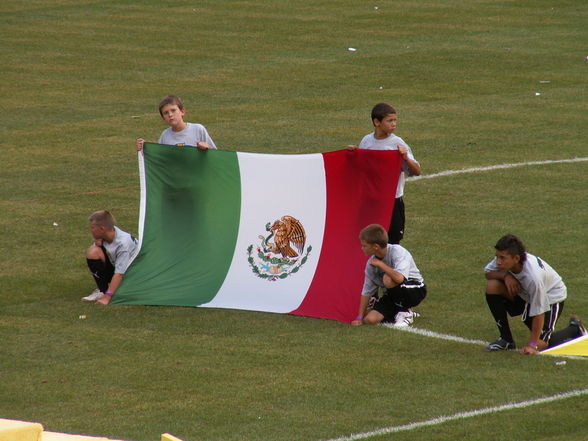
(390, 267)
(109, 256)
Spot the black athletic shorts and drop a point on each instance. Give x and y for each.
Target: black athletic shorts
(518, 307)
(396, 228)
(400, 298)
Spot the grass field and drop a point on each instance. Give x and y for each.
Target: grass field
(475, 83)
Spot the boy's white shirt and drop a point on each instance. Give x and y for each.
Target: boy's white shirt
(120, 250)
(399, 259)
(191, 135)
(370, 142)
(541, 285)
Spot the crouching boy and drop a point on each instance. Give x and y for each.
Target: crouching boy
(521, 284)
(109, 256)
(391, 268)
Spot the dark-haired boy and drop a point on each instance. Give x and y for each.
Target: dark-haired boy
(384, 119)
(179, 132)
(391, 268)
(109, 256)
(519, 283)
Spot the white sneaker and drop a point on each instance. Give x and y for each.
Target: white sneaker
(404, 319)
(95, 295)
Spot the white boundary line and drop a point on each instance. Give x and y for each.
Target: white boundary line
(494, 167)
(463, 415)
(433, 334)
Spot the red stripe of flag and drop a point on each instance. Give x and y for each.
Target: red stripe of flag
(361, 188)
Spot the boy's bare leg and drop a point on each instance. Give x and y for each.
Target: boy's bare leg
(373, 318)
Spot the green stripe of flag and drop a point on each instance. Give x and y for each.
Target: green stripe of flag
(190, 228)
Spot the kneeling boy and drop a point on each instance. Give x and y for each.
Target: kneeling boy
(519, 283)
(392, 268)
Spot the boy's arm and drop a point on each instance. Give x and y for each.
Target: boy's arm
(513, 286)
(112, 287)
(534, 341)
(396, 276)
(414, 168)
(363, 303)
(115, 283)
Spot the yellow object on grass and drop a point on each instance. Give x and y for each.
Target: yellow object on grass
(169, 437)
(577, 346)
(13, 430)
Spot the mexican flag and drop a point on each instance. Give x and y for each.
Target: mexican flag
(261, 232)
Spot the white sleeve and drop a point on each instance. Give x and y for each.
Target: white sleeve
(491, 266)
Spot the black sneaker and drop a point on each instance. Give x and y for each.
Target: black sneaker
(500, 345)
(575, 321)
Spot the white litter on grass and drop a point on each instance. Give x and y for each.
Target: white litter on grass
(544, 82)
(55, 224)
(560, 363)
(352, 49)
(537, 93)
(82, 317)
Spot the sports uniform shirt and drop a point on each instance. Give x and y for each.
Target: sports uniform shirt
(541, 285)
(191, 135)
(120, 250)
(399, 259)
(369, 142)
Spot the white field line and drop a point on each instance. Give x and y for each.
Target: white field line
(448, 337)
(433, 334)
(494, 167)
(463, 415)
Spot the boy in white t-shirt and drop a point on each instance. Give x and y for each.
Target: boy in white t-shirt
(109, 256)
(519, 283)
(385, 119)
(392, 269)
(179, 132)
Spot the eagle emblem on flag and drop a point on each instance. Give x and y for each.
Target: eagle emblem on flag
(282, 252)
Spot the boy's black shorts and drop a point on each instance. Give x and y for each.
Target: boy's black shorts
(400, 298)
(396, 228)
(518, 307)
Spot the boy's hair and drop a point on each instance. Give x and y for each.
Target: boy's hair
(381, 110)
(171, 99)
(103, 218)
(513, 246)
(374, 234)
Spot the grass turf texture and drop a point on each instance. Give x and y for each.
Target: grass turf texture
(82, 79)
